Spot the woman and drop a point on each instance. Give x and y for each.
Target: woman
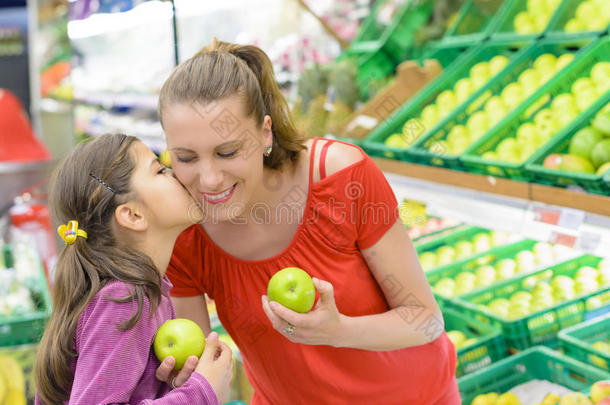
(272, 200)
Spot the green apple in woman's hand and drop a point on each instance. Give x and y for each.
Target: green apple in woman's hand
(179, 338)
(293, 288)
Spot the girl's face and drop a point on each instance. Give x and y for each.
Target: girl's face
(168, 204)
(217, 153)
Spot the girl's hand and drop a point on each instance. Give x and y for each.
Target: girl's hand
(216, 365)
(320, 326)
(166, 373)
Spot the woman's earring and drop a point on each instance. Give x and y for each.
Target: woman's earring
(267, 151)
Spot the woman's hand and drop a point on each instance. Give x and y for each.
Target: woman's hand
(320, 326)
(216, 365)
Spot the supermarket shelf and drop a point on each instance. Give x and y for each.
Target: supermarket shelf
(592, 203)
(538, 212)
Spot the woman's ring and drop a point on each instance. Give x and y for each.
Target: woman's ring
(173, 383)
(289, 329)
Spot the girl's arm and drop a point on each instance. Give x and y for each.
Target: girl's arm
(114, 366)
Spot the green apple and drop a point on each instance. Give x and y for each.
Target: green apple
(505, 269)
(541, 20)
(293, 288)
(447, 251)
(463, 249)
(582, 84)
(490, 155)
(179, 338)
(586, 271)
(544, 253)
(463, 89)
(477, 124)
(600, 73)
(457, 337)
(574, 25)
(428, 260)
(465, 278)
(445, 283)
(585, 285)
(509, 150)
(526, 261)
(485, 272)
(530, 79)
(524, 23)
(499, 238)
(521, 296)
(542, 287)
(601, 153)
(594, 303)
(586, 11)
(603, 169)
(396, 141)
(527, 134)
(603, 277)
(480, 74)
(499, 305)
(599, 362)
(601, 389)
(518, 312)
(563, 102)
(430, 115)
(561, 281)
(446, 99)
(583, 141)
(513, 95)
(457, 135)
(545, 63)
(585, 98)
(497, 63)
(563, 61)
(481, 242)
(551, 5)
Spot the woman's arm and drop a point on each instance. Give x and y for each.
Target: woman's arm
(415, 317)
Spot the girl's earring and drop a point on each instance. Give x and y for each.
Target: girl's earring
(267, 151)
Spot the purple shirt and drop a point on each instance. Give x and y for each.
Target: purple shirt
(118, 367)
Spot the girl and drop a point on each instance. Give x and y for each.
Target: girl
(271, 200)
(124, 211)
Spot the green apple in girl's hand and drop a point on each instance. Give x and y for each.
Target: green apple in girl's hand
(293, 288)
(179, 338)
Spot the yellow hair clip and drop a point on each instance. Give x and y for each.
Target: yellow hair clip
(70, 232)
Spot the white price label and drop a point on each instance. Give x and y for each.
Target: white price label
(570, 218)
(588, 242)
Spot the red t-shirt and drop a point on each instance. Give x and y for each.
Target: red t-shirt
(345, 212)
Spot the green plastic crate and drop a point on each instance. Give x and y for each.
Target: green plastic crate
(372, 28)
(374, 143)
(489, 348)
(525, 112)
(564, 13)
(451, 239)
(28, 328)
(373, 64)
(505, 29)
(399, 37)
(590, 182)
(475, 22)
(492, 257)
(419, 152)
(542, 327)
(577, 341)
(536, 363)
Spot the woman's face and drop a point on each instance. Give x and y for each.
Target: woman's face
(217, 153)
(167, 203)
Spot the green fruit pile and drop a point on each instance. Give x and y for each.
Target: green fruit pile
(590, 15)
(564, 108)
(524, 261)
(536, 16)
(460, 340)
(589, 150)
(496, 108)
(446, 102)
(604, 347)
(448, 254)
(547, 290)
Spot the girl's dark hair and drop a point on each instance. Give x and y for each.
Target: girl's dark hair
(221, 70)
(85, 266)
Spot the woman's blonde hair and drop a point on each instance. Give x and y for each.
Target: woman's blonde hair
(221, 70)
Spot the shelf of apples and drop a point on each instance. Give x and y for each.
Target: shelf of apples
(560, 111)
(588, 341)
(537, 376)
(524, 257)
(549, 110)
(590, 15)
(446, 101)
(580, 156)
(461, 246)
(477, 344)
(531, 309)
(534, 18)
(460, 137)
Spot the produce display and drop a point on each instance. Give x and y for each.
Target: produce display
(497, 107)
(16, 376)
(589, 148)
(524, 261)
(448, 100)
(590, 15)
(536, 17)
(600, 395)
